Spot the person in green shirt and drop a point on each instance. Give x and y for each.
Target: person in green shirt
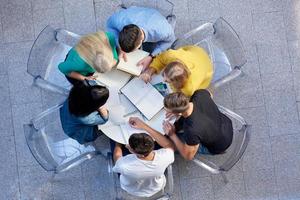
(96, 52)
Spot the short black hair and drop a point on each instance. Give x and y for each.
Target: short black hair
(83, 100)
(129, 37)
(141, 143)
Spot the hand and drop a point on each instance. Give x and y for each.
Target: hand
(136, 122)
(103, 111)
(168, 128)
(170, 115)
(123, 55)
(91, 77)
(146, 76)
(145, 62)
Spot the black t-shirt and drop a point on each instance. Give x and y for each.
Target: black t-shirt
(207, 125)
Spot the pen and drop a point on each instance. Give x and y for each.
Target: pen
(130, 113)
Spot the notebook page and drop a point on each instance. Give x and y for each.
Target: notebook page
(157, 121)
(115, 78)
(132, 59)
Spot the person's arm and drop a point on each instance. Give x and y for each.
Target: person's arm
(118, 153)
(147, 74)
(186, 151)
(163, 141)
(103, 112)
(164, 44)
(159, 62)
(111, 27)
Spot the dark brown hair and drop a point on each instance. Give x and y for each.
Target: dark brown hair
(141, 143)
(130, 37)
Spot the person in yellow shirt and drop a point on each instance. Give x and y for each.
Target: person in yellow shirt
(186, 69)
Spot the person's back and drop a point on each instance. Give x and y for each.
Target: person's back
(144, 178)
(207, 125)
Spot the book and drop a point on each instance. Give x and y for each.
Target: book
(132, 59)
(144, 96)
(113, 79)
(157, 121)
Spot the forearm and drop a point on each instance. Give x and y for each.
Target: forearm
(76, 76)
(181, 147)
(118, 153)
(159, 137)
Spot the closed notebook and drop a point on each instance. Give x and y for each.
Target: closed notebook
(144, 96)
(132, 59)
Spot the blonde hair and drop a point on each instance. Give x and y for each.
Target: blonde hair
(177, 73)
(96, 51)
(177, 102)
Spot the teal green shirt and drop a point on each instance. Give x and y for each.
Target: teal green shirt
(74, 63)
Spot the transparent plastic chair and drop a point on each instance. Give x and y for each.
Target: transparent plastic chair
(218, 164)
(165, 7)
(222, 44)
(48, 50)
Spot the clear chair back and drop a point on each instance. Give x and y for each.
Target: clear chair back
(51, 147)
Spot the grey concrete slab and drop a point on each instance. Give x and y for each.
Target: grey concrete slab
(9, 183)
(291, 17)
(223, 96)
(22, 115)
(79, 16)
(104, 12)
(231, 191)
(35, 183)
(278, 81)
(294, 52)
(273, 58)
(177, 194)
(51, 16)
(6, 126)
(258, 155)
(41, 4)
(282, 112)
(261, 184)
(204, 9)
(17, 22)
(247, 89)
(267, 5)
(269, 27)
(197, 188)
(288, 189)
(296, 78)
(68, 188)
(257, 118)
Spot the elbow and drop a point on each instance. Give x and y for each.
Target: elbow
(189, 157)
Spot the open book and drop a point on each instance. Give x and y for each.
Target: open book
(144, 96)
(113, 79)
(132, 59)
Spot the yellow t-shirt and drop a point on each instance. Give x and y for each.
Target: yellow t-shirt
(196, 60)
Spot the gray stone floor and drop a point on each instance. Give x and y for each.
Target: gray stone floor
(268, 96)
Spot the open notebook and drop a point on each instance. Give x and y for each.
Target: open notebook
(113, 79)
(132, 59)
(144, 96)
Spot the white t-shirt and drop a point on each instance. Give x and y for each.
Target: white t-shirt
(144, 178)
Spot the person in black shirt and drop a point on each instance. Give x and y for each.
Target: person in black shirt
(201, 125)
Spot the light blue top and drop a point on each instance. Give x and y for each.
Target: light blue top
(155, 26)
(81, 129)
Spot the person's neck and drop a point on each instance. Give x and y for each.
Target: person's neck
(188, 111)
(143, 35)
(150, 156)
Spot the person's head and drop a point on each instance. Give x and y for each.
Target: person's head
(84, 100)
(96, 51)
(130, 38)
(141, 144)
(176, 103)
(176, 73)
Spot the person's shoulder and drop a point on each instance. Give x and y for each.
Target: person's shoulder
(164, 151)
(202, 93)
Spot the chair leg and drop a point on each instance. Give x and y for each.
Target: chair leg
(224, 177)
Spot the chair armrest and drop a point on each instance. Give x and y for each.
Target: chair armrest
(170, 180)
(205, 30)
(233, 115)
(76, 161)
(232, 75)
(207, 165)
(66, 37)
(42, 83)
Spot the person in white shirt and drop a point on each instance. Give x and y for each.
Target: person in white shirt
(142, 172)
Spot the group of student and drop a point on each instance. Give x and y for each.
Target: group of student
(200, 126)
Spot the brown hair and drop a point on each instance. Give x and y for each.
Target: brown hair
(177, 102)
(177, 73)
(96, 51)
(141, 143)
(130, 37)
